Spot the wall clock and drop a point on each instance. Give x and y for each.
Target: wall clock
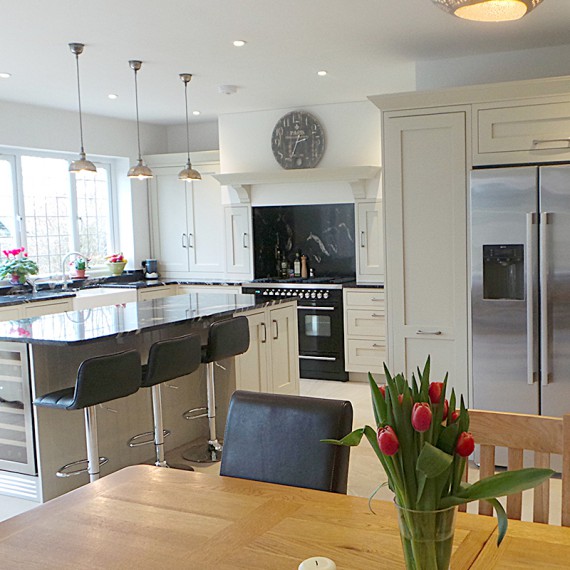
(298, 140)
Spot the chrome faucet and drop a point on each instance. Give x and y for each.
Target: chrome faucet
(64, 263)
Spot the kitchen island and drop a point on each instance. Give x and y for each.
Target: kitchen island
(40, 355)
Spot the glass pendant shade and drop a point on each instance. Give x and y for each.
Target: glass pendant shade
(188, 173)
(81, 165)
(488, 10)
(140, 170)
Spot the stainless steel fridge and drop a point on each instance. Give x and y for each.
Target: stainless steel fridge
(520, 289)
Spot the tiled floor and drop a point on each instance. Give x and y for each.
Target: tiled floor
(366, 473)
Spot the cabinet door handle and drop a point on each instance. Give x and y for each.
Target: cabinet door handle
(276, 329)
(184, 241)
(190, 240)
(264, 337)
(362, 239)
(377, 345)
(244, 240)
(428, 332)
(376, 299)
(539, 141)
(378, 316)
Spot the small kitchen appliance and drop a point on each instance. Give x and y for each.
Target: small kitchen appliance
(150, 267)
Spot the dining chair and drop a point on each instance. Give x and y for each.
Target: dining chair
(277, 439)
(543, 435)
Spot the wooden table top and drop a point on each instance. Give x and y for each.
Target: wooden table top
(148, 517)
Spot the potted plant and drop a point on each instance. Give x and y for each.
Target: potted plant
(17, 266)
(423, 443)
(116, 263)
(80, 265)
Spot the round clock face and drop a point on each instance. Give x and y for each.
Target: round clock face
(298, 140)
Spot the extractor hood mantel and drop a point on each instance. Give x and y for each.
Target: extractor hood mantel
(356, 176)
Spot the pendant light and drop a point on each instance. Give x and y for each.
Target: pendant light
(188, 173)
(488, 10)
(81, 165)
(140, 170)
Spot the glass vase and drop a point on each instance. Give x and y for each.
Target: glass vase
(427, 537)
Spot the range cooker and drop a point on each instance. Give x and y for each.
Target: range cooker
(320, 317)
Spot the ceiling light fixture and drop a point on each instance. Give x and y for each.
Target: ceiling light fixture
(140, 170)
(81, 165)
(488, 10)
(239, 43)
(188, 173)
(5, 75)
(321, 73)
(196, 113)
(112, 96)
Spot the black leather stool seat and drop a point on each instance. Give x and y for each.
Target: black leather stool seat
(226, 338)
(276, 438)
(171, 358)
(99, 379)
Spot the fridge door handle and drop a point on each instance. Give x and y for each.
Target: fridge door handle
(530, 221)
(544, 265)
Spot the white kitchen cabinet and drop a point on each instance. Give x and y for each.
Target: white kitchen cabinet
(35, 309)
(364, 330)
(102, 297)
(272, 362)
(202, 288)
(11, 313)
(187, 221)
(425, 197)
(239, 243)
(157, 292)
(370, 242)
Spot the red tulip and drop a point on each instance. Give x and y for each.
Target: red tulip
(400, 398)
(445, 409)
(435, 391)
(421, 416)
(454, 416)
(383, 391)
(388, 441)
(465, 444)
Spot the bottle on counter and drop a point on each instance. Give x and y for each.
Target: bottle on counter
(297, 265)
(304, 272)
(284, 268)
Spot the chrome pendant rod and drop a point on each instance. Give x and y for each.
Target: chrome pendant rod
(77, 49)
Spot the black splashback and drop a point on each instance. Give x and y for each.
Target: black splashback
(324, 233)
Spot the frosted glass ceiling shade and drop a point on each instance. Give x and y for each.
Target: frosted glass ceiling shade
(488, 10)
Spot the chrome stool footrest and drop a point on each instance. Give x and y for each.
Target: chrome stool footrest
(149, 435)
(64, 471)
(204, 452)
(196, 413)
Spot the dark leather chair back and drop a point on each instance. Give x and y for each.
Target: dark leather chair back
(104, 378)
(276, 439)
(226, 338)
(172, 358)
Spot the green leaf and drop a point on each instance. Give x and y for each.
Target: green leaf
(503, 521)
(378, 402)
(506, 483)
(352, 439)
(448, 438)
(432, 461)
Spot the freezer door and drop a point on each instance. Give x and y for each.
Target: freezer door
(504, 289)
(555, 289)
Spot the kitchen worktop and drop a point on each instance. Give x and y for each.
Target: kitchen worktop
(75, 327)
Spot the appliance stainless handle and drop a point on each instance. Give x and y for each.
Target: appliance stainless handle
(327, 358)
(305, 308)
(276, 329)
(244, 240)
(264, 338)
(530, 219)
(184, 240)
(539, 141)
(190, 237)
(544, 262)
(362, 239)
(428, 332)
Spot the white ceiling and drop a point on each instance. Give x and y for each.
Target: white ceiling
(367, 47)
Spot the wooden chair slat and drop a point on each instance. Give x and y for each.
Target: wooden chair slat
(566, 473)
(487, 469)
(514, 502)
(541, 505)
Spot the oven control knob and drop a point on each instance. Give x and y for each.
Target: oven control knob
(319, 295)
(300, 294)
(270, 292)
(325, 295)
(283, 293)
(313, 295)
(288, 293)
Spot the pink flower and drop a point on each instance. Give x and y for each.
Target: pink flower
(421, 416)
(388, 440)
(465, 444)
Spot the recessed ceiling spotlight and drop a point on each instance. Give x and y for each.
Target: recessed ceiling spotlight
(239, 43)
(227, 89)
(321, 73)
(112, 96)
(5, 75)
(196, 113)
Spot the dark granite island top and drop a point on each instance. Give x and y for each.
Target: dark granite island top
(74, 327)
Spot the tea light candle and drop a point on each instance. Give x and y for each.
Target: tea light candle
(317, 563)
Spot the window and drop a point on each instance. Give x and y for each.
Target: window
(51, 212)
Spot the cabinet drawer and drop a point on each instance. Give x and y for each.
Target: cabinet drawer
(370, 299)
(366, 322)
(366, 355)
(157, 292)
(39, 309)
(540, 131)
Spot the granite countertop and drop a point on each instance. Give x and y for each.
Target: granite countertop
(19, 298)
(75, 327)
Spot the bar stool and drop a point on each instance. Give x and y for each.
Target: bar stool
(99, 380)
(226, 338)
(167, 359)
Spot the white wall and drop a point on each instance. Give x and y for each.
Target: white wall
(33, 127)
(493, 67)
(352, 133)
(203, 136)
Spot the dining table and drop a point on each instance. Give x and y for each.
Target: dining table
(147, 517)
